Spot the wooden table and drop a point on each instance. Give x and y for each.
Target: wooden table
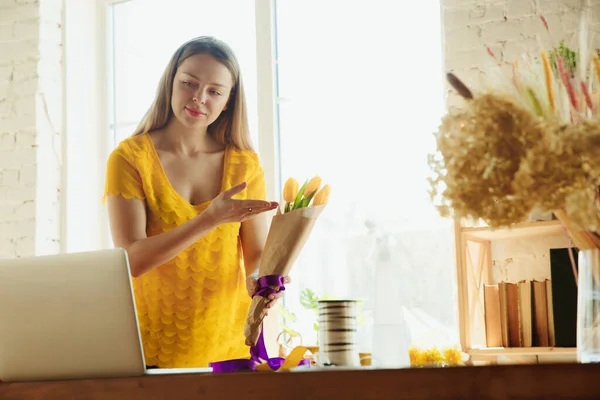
(543, 381)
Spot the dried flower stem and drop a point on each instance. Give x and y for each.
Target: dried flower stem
(596, 66)
(588, 98)
(545, 23)
(548, 77)
(537, 107)
(566, 79)
(573, 266)
(459, 86)
(582, 239)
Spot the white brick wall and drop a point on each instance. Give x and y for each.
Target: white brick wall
(508, 27)
(30, 126)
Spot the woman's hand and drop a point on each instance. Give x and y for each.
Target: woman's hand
(252, 286)
(224, 209)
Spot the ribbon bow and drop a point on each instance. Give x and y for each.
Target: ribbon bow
(259, 358)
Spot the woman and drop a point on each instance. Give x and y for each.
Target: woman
(186, 199)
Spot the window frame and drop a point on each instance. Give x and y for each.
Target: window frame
(84, 143)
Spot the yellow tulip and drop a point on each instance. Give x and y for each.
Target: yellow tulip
(322, 196)
(313, 185)
(290, 190)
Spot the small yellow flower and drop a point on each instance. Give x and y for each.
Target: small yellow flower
(290, 190)
(322, 196)
(312, 186)
(433, 357)
(414, 355)
(453, 356)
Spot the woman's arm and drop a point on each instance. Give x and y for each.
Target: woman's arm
(253, 234)
(128, 227)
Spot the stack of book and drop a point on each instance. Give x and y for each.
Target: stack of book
(534, 313)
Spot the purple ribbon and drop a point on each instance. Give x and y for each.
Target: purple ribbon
(258, 352)
(265, 283)
(237, 365)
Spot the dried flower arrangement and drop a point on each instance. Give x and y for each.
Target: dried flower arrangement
(527, 140)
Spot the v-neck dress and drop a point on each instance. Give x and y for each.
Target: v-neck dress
(191, 310)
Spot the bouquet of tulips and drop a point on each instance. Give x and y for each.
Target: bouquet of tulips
(288, 232)
(299, 198)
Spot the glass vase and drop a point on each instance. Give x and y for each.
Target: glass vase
(588, 306)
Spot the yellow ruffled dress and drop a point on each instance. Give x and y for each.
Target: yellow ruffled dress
(192, 309)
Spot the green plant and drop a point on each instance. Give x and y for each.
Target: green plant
(310, 301)
(288, 317)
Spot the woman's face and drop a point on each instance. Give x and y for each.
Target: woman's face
(201, 90)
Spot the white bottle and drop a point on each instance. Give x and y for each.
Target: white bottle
(391, 337)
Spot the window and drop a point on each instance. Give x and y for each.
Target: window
(146, 33)
(360, 94)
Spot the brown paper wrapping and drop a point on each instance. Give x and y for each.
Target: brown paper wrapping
(285, 240)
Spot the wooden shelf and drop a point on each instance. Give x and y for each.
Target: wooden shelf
(474, 262)
(526, 229)
(522, 351)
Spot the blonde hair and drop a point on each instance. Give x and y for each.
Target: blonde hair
(231, 127)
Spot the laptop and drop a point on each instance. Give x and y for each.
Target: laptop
(70, 316)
